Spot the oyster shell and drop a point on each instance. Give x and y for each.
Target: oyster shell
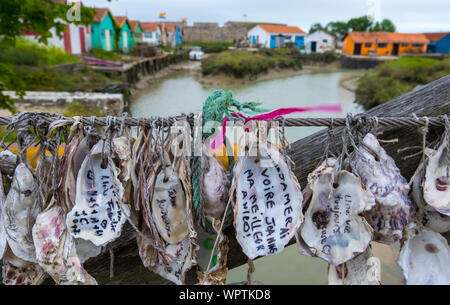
(425, 259)
(424, 213)
(97, 215)
(382, 177)
(55, 249)
(169, 207)
(268, 199)
(3, 239)
(436, 188)
(379, 173)
(333, 229)
(356, 271)
(215, 186)
(8, 162)
(20, 212)
(16, 271)
(175, 259)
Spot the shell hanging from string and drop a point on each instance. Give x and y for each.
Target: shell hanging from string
(166, 206)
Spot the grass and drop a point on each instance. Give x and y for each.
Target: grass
(105, 55)
(27, 53)
(29, 66)
(77, 108)
(241, 63)
(394, 78)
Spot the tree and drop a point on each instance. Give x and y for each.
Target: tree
(360, 24)
(387, 25)
(337, 28)
(316, 27)
(40, 16)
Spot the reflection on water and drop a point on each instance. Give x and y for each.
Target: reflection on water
(183, 94)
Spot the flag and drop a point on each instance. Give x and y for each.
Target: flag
(184, 19)
(162, 15)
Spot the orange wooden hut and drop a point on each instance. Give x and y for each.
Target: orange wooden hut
(384, 43)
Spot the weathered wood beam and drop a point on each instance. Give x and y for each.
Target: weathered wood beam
(430, 100)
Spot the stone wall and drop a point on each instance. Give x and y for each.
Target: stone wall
(210, 31)
(57, 102)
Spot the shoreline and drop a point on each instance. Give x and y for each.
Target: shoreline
(222, 79)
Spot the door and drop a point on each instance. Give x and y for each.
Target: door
(357, 50)
(313, 46)
(125, 40)
(108, 40)
(395, 49)
(273, 42)
(82, 40)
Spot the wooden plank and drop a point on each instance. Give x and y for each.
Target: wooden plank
(430, 100)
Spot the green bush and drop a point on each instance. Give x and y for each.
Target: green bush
(241, 63)
(394, 78)
(27, 53)
(208, 46)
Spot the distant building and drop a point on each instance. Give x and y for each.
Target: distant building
(171, 34)
(275, 36)
(76, 39)
(383, 43)
(439, 42)
(319, 42)
(136, 32)
(102, 30)
(152, 33)
(124, 34)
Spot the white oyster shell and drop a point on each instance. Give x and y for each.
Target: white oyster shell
(360, 270)
(382, 177)
(55, 249)
(169, 208)
(425, 259)
(20, 212)
(98, 212)
(3, 239)
(436, 188)
(215, 187)
(379, 173)
(333, 229)
(268, 206)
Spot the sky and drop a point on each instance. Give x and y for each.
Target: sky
(409, 16)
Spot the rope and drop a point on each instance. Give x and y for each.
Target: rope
(288, 122)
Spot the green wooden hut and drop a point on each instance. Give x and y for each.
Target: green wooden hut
(136, 32)
(125, 37)
(102, 30)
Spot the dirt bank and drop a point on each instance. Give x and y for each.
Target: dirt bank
(222, 79)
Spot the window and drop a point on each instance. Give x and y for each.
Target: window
(382, 45)
(405, 44)
(325, 40)
(417, 44)
(148, 34)
(368, 44)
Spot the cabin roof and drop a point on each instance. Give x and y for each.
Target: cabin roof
(436, 36)
(387, 37)
(100, 14)
(134, 24)
(149, 26)
(121, 20)
(270, 28)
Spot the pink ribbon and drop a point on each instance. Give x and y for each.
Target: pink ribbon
(219, 139)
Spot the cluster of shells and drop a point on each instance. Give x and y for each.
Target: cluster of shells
(65, 210)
